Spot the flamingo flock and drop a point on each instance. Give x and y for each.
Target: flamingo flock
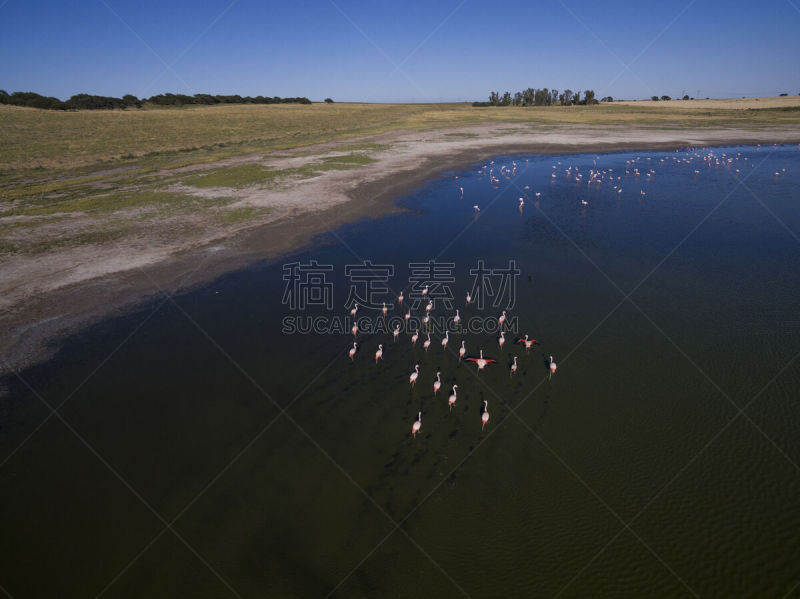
(481, 361)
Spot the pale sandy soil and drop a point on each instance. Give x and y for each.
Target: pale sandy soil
(43, 298)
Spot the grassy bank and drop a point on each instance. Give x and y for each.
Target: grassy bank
(68, 140)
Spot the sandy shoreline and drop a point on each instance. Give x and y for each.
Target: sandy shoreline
(49, 298)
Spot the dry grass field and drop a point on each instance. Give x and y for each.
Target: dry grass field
(72, 140)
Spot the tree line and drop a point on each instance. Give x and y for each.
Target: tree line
(92, 102)
(542, 97)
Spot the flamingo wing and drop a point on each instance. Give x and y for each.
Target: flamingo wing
(471, 359)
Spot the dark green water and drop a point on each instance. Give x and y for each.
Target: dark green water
(631, 473)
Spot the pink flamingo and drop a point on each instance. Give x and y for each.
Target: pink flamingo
(414, 375)
(437, 383)
(352, 351)
(485, 415)
(527, 342)
(379, 353)
(416, 426)
(452, 399)
(481, 361)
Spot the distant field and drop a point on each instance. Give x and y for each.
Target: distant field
(725, 103)
(68, 140)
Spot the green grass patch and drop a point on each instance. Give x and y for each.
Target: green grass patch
(344, 162)
(108, 203)
(254, 174)
(233, 176)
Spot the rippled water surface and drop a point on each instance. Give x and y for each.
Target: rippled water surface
(200, 451)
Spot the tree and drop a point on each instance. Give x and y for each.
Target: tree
(553, 97)
(506, 99)
(654, 98)
(528, 96)
(328, 101)
(589, 97)
(576, 98)
(686, 97)
(131, 100)
(518, 99)
(607, 99)
(665, 98)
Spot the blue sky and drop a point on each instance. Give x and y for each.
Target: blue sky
(354, 50)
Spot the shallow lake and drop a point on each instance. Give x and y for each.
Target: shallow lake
(222, 443)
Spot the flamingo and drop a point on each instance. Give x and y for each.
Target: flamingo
(462, 350)
(354, 309)
(414, 337)
(513, 367)
(445, 340)
(354, 330)
(485, 415)
(502, 318)
(502, 340)
(437, 383)
(476, 209)
(396, 332)
(481, 361)
(384, 309)
(400, 298)
(426, 320)
(408, 314)
(452, 399)
(552, 368)
(429, 307)
(353, 351)
(416, 426)
(379, 353)
(427, 343)
(528, 343)
(469, 298)
(456, 318)
(425, 291)
(414, 375)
